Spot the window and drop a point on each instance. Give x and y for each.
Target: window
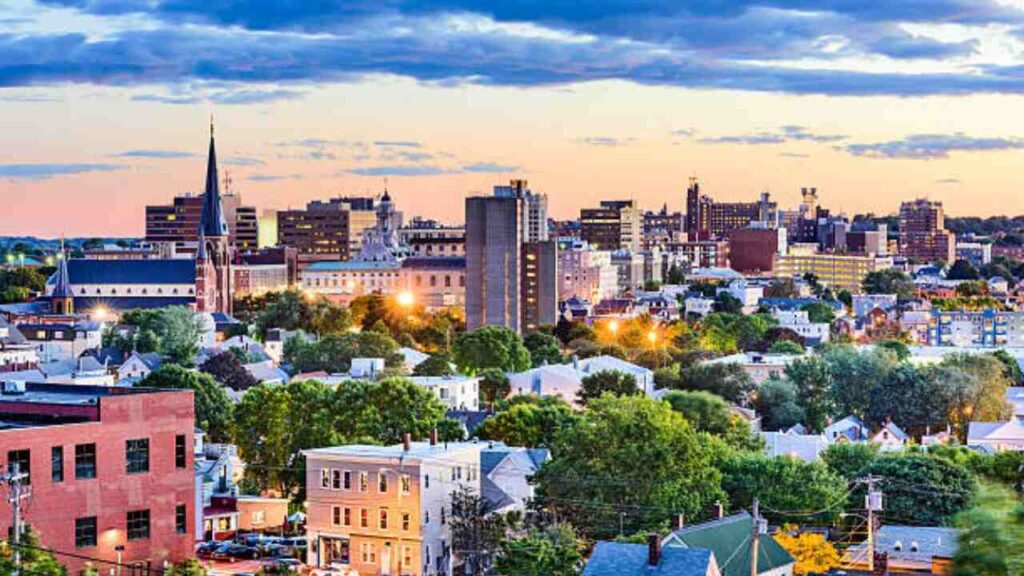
(136, 455)
(336, 479)
(382, 482)
(404, 480)
(259, 516)
(22, 461)
(406, 556)
(364, 518)
(85, 532)
(138, 525)
(364, 482)
(426, 516)
(181, 519)
(383, 520)
(369, 552)
(347, 517)
(180, 458)
(426, 481)
(406, 521)
(347, 480)
(325, 478)
(85, 461)
(57, 464)
(336, 515)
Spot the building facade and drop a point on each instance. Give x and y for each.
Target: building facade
(327, 230)
(493, 262)
(841, 272)
(615, 224)
(923, 234)
(110, 470)
(178, 223)
(433, 239)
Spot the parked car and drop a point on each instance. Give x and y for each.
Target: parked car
(281, 565)
(230, 552)
(295, 543)
(205, 550)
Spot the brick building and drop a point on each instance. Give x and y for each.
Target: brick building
(110, 471)
(923, 234)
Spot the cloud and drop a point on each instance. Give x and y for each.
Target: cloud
(684, 132)
(793, 155)
(402, 170)
(932, 146)
(489, 168)
(784, 134)
(272, 177)
(949, 181)
(157, 154)
(230, 97)
(607, 141)
(243, 161)
(46, 171)
(397, 144)
(320, 155)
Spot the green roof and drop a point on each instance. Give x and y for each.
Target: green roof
(729, 539)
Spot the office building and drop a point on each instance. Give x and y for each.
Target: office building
(493, 261)
(707, 219)
(539, 285)
(839, 271)
(923, 234)
(615, 224)
(662, 227)
(753, 250)
(977, 253)
(178, 223)
(431, 238)
(535, 209)
(327, 230)
(110, 471)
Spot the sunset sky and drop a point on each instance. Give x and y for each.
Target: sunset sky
(105, 104)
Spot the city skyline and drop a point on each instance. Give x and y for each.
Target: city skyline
(869, 105)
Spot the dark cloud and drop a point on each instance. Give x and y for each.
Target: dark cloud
(932, 146)
(46, 171)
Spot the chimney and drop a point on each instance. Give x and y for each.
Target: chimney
(407, 441)
(653, 549)
(433, 437)
(679, 521)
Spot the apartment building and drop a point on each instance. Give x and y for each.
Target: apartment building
(384, 510)
(110, 471)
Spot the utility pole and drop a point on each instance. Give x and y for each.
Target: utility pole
(14, 479)
(872, 503)
(755, 536)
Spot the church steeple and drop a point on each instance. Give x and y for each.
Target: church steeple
(62, 299)
(212, 223)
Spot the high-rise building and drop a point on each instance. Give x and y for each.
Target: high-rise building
(535, 209)
(613, 225)
(493, 261)
(923, 234)
(539, 285)
(707, 219)
(178, 222)
(662, 227)
(327, 230)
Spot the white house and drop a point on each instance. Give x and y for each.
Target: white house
(890, 437)
(699, 306)
(997, 436)
(806, 447)
(506, 475)
(565, 379)
(139, 365)
(748, 294)
(366, 367)
(455, 392)
(799, 322)
(412, 358)
(61, 341)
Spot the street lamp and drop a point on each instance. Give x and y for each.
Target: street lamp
(652, 337)
(613, 327)
(406, 299)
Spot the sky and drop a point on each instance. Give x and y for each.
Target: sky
(105, 104)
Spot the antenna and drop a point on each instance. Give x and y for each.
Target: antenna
(227, 182)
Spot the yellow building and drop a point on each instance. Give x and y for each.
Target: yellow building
(839, 271)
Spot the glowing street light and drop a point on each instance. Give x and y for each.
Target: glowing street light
(613, 327)
(100, 313)
(652, 337)
(406, 299)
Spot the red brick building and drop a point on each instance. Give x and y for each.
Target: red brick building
(110, 471)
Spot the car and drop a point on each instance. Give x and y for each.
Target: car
(276, 551)
(295, 542)
(281, 565)
(230, 552)
(205, 550)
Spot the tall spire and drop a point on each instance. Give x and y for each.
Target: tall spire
(62, 287)
(212, 222)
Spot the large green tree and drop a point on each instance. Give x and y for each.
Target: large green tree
(812, 378)
(529, 421)
(776, 402)
(334, 352)
(554, 551)
(730, 381)
(384, 410)
(607, 382)
(789, 489)
(854, 374)
(490, 347)
(706, 411)
(212, 406)
(889, 281)
(921, 489)
(629, 460)
(544, 348)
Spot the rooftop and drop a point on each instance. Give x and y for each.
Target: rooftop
(417, 451)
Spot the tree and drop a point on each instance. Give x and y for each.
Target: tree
(730, 381)
(789, 488)
(1011, 369)
(334, 352)
(439, 364)
(173, 331)
(490, 347)
(627, 459)
(786, 347)
(911, 398)
(544, 348)
(854, 374)
(849, 460)
(555, 551)
(726, 303)
(890, 281)
(776, 402)
(819, 312)
(494, 385)
(900, 349)
(263, 434)
(35, 561)
(529, 421)
(812, 552)
(383, 411)
(476, 534)
(991, 541)
(921, 489)
(187, 567)
(704, 410)
(212, 406)
(228, 370)
(781, 288)
(962, 270)
(980, 391)
(607, 381)
(813, 381)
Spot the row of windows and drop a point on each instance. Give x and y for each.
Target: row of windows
(144, 291)
(136, 454)
(334, 479)
(137, 524)
(342, 516)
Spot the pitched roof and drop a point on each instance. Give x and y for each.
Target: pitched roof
(156, 271)
(621, 559)
(729, 539)
(1011, 430)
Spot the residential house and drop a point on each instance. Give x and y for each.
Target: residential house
(759, 366)
(890, 437)
(996, 436)
(806, 447)
(411, 358)
(139, 365)
(505, 475)
(910, 549)
(267, 372)
(849, 429)
(565, 380)
(729, 538)
(456, 392)
(651, 559)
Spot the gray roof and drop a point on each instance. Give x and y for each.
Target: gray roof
(913, 543)
(621, 559)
